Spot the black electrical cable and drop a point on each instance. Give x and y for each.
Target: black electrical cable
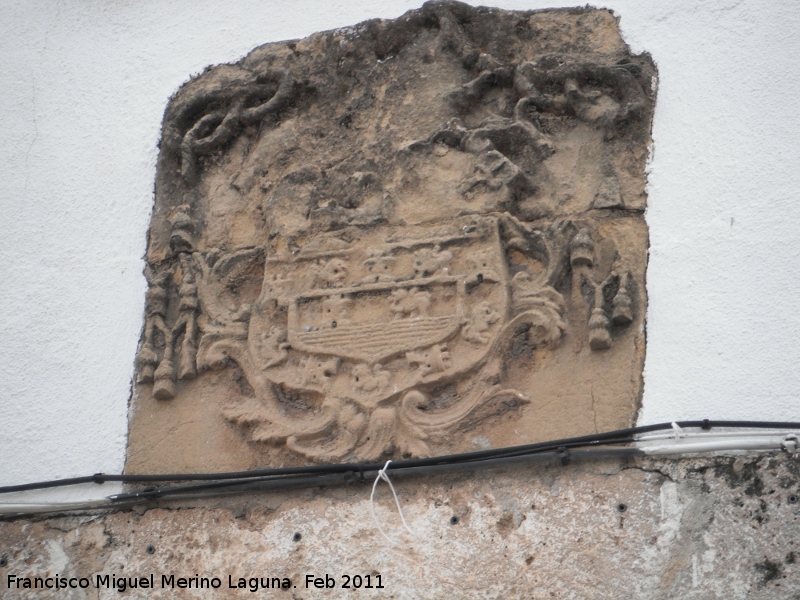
(217, 489)
(265, 484)
(621, 436)
(372, 469)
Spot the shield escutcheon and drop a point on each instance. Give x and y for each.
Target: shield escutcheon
(406, 306)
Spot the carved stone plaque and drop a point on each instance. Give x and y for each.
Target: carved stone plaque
(405, 238)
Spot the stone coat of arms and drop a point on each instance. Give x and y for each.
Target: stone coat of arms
(400, 239)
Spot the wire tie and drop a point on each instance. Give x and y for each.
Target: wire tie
(99, 478)
(382, 475)
(361, 474)
(678, 431)
(790, 444)
(564, 454)
(706, 425)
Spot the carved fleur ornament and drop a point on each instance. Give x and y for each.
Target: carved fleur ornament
(405, 238)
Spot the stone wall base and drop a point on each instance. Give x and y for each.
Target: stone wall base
(723, 527)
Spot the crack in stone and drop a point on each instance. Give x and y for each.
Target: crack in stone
(650, 470)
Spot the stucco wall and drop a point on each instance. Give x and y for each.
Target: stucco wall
(694, 529)
(84, 89)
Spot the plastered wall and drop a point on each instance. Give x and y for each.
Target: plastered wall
(84, 89)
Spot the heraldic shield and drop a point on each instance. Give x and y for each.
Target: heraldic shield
(353, 335)
(412, 237)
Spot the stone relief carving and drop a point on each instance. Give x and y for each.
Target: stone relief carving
(395, 236)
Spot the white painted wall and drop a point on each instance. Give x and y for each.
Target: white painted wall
(83, 86)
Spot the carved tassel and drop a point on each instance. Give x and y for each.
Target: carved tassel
(188, 366)
(582, 249)
(155, 311)
(164, 386)
(599, 337)
(188, 308)
(622, 314)
(147, 361)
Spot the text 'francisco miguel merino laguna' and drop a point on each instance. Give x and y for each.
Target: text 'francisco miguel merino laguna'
(121, 584)
(252, 584)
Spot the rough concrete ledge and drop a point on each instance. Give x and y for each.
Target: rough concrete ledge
(723, 527)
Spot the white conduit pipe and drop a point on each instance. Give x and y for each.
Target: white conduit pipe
(32, 508)
(648, 437)
(717, 442)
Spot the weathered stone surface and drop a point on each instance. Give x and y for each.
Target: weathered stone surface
(690, 529)
(405, 238)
